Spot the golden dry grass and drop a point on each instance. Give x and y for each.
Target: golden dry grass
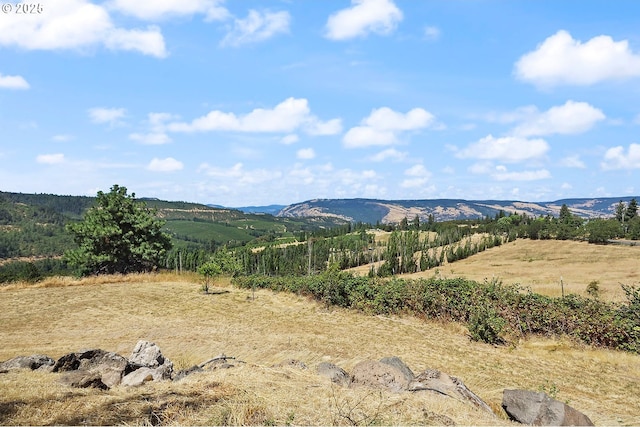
(191, 327)
(540, 265)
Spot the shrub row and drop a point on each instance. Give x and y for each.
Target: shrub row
(493, 312)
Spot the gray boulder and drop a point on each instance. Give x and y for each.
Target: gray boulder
(396, 362)
(33, 362)
(530, 407)
(148, 354)
(371, 373)
(336, 374)
(440, 382)
(110, 366)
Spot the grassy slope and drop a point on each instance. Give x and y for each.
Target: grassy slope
(191, 327)
(540, 264)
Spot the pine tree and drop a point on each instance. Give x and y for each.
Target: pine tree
(118, 235)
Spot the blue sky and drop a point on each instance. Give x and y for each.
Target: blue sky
(258, 102)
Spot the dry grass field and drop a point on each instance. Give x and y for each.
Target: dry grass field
(541, 264)
(113, 313)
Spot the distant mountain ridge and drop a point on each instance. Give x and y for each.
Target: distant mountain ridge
(393, 211)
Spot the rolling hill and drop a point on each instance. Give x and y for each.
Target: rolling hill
(393, 211)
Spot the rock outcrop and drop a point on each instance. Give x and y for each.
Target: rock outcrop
(532, 408)
(33, 362)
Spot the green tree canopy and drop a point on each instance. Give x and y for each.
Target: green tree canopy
(118, 235)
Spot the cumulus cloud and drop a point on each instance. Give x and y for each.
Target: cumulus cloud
(165, 165)
(388, 154)
(418, 176)
(106, 115)
(257, 27)
(50, 159)
(570, 118)
(13, 82)
(363, 17)
(159, 10)
(156, 134)
(383, 125)
(617, 158)
(77, 24)
(290, 115)
(507, 149)
(364, 136)
(306, 154)
(562, 60)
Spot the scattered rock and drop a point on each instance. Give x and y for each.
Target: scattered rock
(434, 380)
(33, 362)
(530, 407)
(83, 379)
(397, 363)
(371, 373)
(143, 375)
(290, 363)
(335, 373)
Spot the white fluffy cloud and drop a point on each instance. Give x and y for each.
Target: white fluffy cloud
(561, 59)
(570, 118)
(383, 125)
(165, 165)
(616, 158)
(306, 154)
(362, 18)
(288, 116)
(418, 177)
(507, 149)
(388, 154)
(13, 82)
(162, 9)
(76, 24)
(257, 27)
(106, 115)
(50, 159)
